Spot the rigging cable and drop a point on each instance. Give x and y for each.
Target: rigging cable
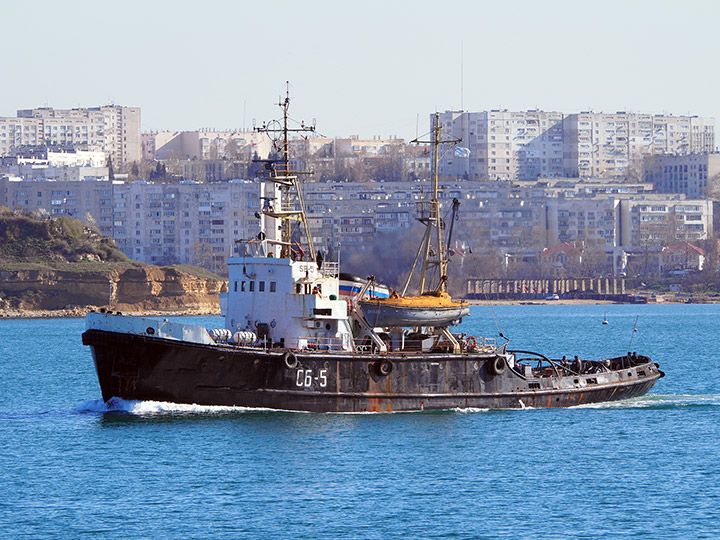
(497, 321)
(633, 334)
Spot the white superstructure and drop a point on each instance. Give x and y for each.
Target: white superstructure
(287, 303)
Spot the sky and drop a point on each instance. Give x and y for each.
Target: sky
(372, 68)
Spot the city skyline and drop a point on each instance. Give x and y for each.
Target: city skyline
(369, 70)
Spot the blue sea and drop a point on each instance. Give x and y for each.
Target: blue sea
(649, 468)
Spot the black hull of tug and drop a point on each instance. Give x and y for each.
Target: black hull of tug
(140, 367)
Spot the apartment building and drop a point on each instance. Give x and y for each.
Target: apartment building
(603, 145)
(42, 155)
(526, 145)
(39, 163)
(654, 221)
(90, 200)
(184, 223)
(112, 129)
(688, 174)
(349, 146)
(503, 144)
(204, 144)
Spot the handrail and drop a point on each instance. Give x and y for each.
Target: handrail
(330, 269)
(321, 343)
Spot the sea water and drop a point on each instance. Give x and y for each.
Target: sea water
(72, 466)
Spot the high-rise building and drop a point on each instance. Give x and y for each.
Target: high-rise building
(186, 222)
(503, 145)
(525, 145)
(90, 199)
(688, 174)
(204, 144)
(112, 129)
(603, 145)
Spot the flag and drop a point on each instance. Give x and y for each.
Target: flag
(462, 152)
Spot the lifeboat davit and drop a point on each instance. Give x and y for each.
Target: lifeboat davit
(428, 309)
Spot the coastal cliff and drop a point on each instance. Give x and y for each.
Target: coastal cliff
(64, 267)
(141, 290)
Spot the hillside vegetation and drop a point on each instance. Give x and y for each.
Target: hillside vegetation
(55, 243)
(66, 266)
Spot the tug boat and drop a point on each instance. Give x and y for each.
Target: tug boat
(293, 339)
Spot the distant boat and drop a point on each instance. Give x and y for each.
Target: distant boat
(605, 321)
(350, 285)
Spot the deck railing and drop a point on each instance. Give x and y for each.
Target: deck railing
(330, 269)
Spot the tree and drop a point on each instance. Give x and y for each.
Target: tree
(160, 172)
(232, 150)
(594, 259)
(255, 168)
(202, 255)
(485, 264)
(638, 165)
(712, 190)
(387, 255)
(111, 171)
(387, 166)
(214, 152)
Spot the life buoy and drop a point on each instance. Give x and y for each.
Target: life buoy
(290, 360)
(496, 365)
(384, 368)
(471, 343)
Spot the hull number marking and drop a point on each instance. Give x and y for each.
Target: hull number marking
(305, 378)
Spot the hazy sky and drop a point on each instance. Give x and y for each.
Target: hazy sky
(366, 68)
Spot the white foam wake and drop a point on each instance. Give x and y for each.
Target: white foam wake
(468, 410)
(658, 400)
(148, 408)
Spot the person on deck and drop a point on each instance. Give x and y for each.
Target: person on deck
(578, 364)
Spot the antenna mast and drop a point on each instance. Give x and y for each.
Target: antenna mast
(291, 208)
(429, 215)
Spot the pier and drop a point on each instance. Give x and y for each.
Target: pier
(512, 289)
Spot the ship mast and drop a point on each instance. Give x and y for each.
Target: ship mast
(290, 208)
(433, 256)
